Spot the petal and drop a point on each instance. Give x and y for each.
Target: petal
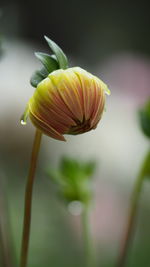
(48, 92)
(48, 116)
(87, 91)
(99, 106)
(44, 127)
(68, 89)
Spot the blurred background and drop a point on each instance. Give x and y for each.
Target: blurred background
(110, 39)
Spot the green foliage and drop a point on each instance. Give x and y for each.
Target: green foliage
(50, 62)
(73, 179)
(146, 166)
(144, 116)
(38, 76)
(61, 57)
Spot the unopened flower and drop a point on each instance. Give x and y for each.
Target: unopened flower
(67, 101)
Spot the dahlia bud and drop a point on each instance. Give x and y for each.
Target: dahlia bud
(67, 101)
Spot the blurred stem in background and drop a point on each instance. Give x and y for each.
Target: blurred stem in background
(88, 243)
(73, 179)
(144, 119)
(144, 171)
(28, 200)
(6, 246)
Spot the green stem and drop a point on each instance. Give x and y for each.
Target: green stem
(28, 200)
(133, 210)
(87, 237)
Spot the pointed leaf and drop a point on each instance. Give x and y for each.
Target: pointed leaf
(49, 62)
(61, 57)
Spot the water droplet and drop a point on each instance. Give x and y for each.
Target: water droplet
(23, 122)
(75, 208)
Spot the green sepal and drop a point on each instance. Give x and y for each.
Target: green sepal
(49, 62)
(38, 76)
(61, 57)
(43, 72)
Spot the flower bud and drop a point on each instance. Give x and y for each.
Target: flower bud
(69, 101)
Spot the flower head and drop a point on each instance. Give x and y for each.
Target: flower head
(67, 101)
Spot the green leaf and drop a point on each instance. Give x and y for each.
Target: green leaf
(70, 168)
(49, 62)
(72, 179)
(53, 56)
(144, 116)
(146, 166)
(61, 57)
(89, 168)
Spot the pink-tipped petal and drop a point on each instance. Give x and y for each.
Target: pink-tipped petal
(68, 89)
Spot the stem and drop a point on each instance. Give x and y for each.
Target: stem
(6, 256)
(28, 200)
(133, 210)
(87, 237)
